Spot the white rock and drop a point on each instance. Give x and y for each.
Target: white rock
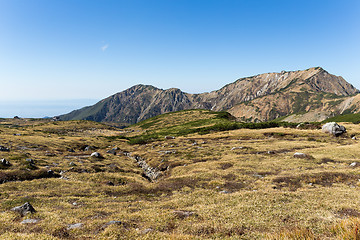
(25, 221)
(353, 164)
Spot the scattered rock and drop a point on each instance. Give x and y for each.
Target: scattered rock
(333, 128)
(88, 148)
(30, 161)
(167, 152)
(5, 162)
(149, 172)
(73, 226)
(236, 148)
(225, 192)
(353, 138)
(182, 214)
(354, 164)
(17, 134)
(50, 154)
(72, 164)
(169, 137)
(302, 155)
(147, 230)
(24, 209)
(112, 151)
(71, 150)
(258, 176)
(111, 223)
(4, 149)
(27, 221)
(96, 155)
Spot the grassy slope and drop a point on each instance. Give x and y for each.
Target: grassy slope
(351, 117)
(255, 191)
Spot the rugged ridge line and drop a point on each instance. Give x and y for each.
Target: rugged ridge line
(243, 98)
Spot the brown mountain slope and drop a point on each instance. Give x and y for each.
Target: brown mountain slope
(257, 98)
(247, 89)
(312, 98)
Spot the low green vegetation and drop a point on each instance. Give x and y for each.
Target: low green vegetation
(196, 121)
(351, 117)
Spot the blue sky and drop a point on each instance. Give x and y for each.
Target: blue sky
(91, 49)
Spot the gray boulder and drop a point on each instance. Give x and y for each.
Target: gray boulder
(24, 209)
(333, 128)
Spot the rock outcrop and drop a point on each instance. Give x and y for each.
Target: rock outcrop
(334, 129)
(24, 209)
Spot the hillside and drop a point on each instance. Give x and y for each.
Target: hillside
(222, 184)
(259, 98)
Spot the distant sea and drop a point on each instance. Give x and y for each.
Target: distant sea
(41, 109)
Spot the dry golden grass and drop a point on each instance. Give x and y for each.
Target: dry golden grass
(240, 184)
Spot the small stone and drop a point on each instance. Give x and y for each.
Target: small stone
(73, 226)
(353, 164)
(236, 148)
(71, 150)
(258, 175)
(301, 155)
(169, 137)
(24, 209)
(72, 164)
(27, 221)
(96, 155)
(88, 148)
(29, 160)
(182, 214)
(111, 223)
(147, 230)
(225, 192)
(112, 151)
(353, 138)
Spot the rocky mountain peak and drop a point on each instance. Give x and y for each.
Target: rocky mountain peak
(286, 91)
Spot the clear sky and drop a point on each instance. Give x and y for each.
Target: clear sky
(91, 49)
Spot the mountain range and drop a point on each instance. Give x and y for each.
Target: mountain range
(306, 95)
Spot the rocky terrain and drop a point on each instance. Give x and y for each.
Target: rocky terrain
(312, 94)
(193, 174)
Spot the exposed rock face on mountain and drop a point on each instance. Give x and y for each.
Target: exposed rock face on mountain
(258, 98)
